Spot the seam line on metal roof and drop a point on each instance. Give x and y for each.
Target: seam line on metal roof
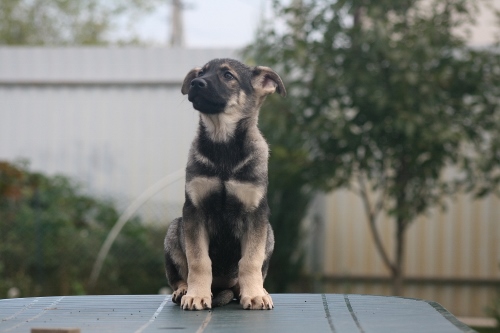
(205, 322)
(327, 312)
(38, 315)
(155, 315)
(351, 311)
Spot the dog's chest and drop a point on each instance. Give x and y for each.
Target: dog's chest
(215, 194)
(226, 176)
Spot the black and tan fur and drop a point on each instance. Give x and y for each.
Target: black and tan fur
(222, 244)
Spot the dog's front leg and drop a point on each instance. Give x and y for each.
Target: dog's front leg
(199, 281)
(253, 296)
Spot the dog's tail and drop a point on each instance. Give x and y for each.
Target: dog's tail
(223, 298)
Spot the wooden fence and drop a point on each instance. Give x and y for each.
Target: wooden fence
(452, 256)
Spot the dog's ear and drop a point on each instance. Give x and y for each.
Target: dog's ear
(266, 81)
(187, 80)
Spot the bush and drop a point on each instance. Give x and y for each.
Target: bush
(50, 233)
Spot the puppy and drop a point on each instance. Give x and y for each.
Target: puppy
(223, 242)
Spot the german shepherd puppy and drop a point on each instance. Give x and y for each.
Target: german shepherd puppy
(222, 244)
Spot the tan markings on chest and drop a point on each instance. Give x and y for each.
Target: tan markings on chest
(247, 193)
(199, 188)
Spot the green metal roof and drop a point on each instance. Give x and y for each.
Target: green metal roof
(292, 313)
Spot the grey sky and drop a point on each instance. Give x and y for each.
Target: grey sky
(224, 23)
(208, 23)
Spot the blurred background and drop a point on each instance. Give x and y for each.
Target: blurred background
(385, 156)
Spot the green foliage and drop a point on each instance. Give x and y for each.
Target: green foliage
(68, 22)
(50, 234)
(288, 194)
(385, 98)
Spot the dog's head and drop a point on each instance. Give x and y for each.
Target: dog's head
(224, 83)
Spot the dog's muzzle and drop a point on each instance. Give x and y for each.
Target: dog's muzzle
(203, 98)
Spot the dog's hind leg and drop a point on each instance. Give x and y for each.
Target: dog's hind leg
(178, 284)
(179, 292)
(175, 261)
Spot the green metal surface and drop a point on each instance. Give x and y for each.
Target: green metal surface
(332, 313)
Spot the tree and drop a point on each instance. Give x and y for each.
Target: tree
(50, 233)
(288, 193)
(389, 101)
(67, 22)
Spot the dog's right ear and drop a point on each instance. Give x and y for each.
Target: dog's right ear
(187, 80)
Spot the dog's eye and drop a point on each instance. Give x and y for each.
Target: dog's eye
(228, 75)
(201, 72)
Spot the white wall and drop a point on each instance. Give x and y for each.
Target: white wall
(113, 119)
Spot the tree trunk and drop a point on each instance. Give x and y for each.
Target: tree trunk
(402, 204)
(397, 272)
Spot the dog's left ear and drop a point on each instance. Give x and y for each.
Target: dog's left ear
(266, 81)
(187, 80)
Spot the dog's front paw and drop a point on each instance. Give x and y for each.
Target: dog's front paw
(177, 295)
(260, 302)
(196, 303)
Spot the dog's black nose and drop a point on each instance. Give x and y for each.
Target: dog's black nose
(199, 83)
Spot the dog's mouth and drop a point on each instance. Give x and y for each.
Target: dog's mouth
(206, 105)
